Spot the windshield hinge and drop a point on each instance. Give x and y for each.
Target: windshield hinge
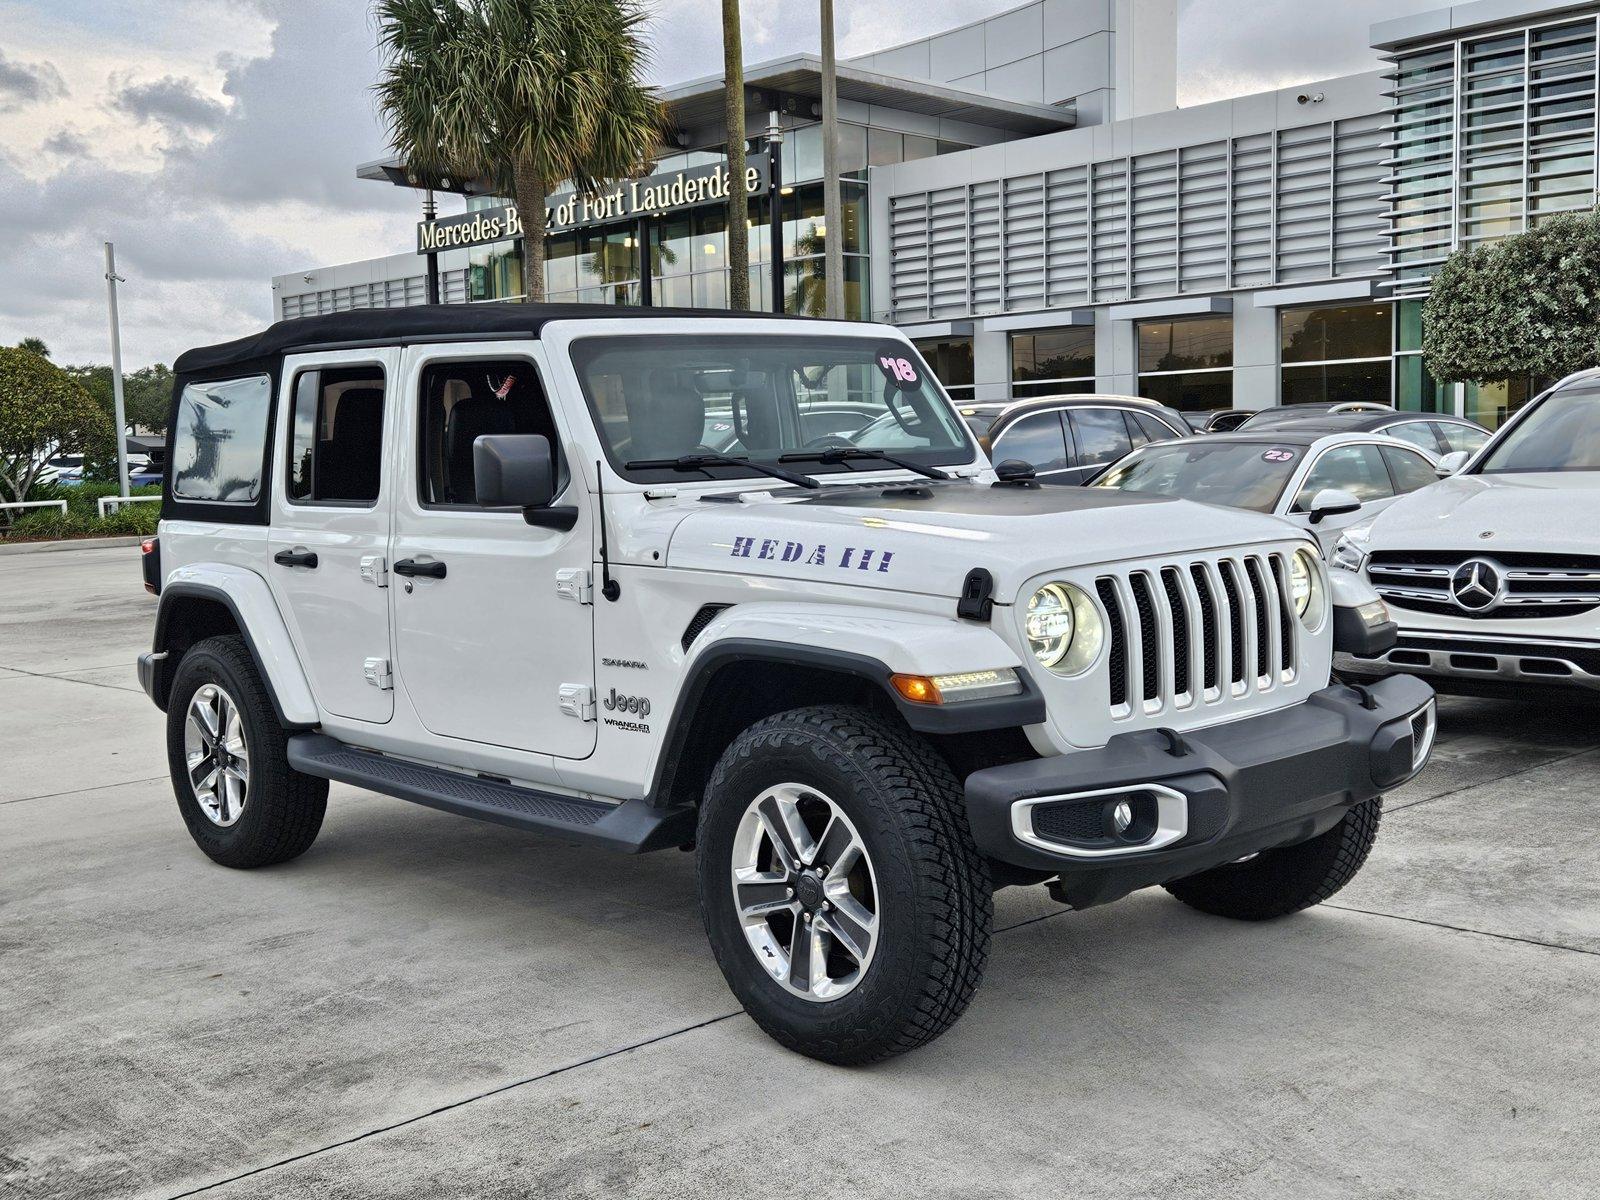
(976, 603)
(575, 583)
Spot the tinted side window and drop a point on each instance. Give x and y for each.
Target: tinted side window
(336, 436)
(1422, 434)
(1463, 437)
(463, 401)
(1036, 439)
(219, 440)
(1102, 435)
(1358, 470)
(1410, 471)
(1147, 429)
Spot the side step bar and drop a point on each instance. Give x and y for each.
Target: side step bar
(633, 827)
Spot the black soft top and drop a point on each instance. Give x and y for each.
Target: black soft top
(423, 322)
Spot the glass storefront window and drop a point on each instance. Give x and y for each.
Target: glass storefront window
(1187, 363)
(1053, 362)
(1489, 404)
(494, 272)
(1186, 344)
(951, 360)
(1336, 353)
(1334, 334)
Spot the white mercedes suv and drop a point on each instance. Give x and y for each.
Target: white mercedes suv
(1494, 573)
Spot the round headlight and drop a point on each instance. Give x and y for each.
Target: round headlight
(1050, 624)
(1300, 573)
(1306, 589)
(1063, 628)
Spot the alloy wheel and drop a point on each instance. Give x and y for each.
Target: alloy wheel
(216, 755)
(805, 892)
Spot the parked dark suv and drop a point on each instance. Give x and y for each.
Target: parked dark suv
(1071, 439)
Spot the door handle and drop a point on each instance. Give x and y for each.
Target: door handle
(296, 558)
(411, 567)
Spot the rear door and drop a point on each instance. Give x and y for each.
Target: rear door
(330, 525)
(1101, 436)
(494, 632)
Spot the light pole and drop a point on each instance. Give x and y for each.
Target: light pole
(118, 407)
(430, 211)
(832, 203)
(775, 207)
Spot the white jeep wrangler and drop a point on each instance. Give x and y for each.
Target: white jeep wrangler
(649, 579)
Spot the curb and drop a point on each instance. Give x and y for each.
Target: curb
(100, 543)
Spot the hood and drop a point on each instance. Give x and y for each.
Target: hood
(927, 538)
(1554, 511)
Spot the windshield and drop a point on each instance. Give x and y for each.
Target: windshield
(1236, 474)
(1561, 434)
(657, 398)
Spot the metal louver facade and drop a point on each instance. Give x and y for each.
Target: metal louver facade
(1291, 205)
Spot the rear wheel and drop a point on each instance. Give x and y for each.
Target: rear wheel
(841, 891)
(1278, 882)
(242, 802)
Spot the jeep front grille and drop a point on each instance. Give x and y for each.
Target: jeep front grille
(1198, 632)
(1532, 584)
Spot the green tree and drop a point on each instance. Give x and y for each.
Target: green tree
(36, 345)
(43, 412)
(146, 393)
(521, 94)
(1526, 305)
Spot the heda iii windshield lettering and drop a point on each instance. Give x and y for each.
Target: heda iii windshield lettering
(867, 559)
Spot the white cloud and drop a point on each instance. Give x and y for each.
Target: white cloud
(216, 140)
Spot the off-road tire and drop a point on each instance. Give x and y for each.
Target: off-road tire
(283, 809)
(1278, 882)
(936, 900)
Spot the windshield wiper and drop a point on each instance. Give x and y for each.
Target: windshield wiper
(699, 462)
(839, 454)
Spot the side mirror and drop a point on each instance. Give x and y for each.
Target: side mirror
(1015, 472)
(1452, 463)
(518, 470)
(1332, 502)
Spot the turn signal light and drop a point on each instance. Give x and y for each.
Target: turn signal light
(951, 689)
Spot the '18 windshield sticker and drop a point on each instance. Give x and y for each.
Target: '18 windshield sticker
(861, 559)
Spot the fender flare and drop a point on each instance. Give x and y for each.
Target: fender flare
(247, 597)
(808, 636)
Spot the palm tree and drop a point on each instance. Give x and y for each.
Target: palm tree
(519, 94)
(733, 118)
(36, 345)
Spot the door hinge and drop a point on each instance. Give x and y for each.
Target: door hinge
(378, 673)
(375, 570)
(577, 700)
(575, 583)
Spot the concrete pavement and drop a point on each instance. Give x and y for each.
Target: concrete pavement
(425, 1006)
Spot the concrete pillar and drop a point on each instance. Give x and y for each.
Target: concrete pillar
(1144, 57)
(991, 365)
(1116, 356)
(1256, 381)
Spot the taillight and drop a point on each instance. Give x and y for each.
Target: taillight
(150, 562)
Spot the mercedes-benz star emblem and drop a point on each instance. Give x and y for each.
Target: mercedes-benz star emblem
(1475, 585)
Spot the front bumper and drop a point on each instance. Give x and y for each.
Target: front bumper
(1508, 664)
(1205, 798)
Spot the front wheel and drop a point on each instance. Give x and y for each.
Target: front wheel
(842, 893)
(1278, 882)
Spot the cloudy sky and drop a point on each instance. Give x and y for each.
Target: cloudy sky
(215, 141)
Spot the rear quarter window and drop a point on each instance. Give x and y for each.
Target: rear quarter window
(219, 440)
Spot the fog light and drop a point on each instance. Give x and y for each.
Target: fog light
(1122, 816)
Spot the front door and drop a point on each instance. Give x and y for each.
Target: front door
(486, 647)
(330, 525)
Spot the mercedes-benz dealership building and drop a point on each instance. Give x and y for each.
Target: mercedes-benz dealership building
(1024, 198)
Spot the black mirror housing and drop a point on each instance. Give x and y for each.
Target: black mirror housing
(514, 470)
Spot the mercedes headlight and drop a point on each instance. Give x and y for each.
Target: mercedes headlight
(1350, 552)
(1306, 589)
(1063, 628)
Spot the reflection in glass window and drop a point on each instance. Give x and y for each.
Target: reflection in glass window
(1101, 435)
(1187, 363)
(1358, 470)
(219, 440)
(1563, 434)
(1037, 439)
(1052, 362)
